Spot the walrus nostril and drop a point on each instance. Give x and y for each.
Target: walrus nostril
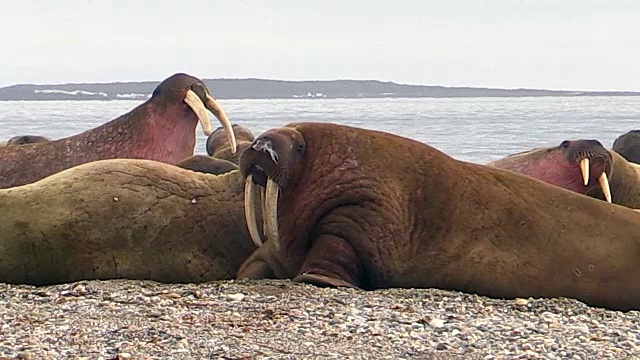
(265, 145)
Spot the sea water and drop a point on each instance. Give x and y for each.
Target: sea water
(470, 129)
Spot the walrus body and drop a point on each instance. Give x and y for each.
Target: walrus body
(218, 144)
(564, 166)
(628, 145)
(374, 210)
(207, 164)
(133, 219)
(161, 129)
(26, 139)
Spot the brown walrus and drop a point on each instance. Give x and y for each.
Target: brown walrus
(354, 207)
(218, 143)
(26, 139)
(127, 218)
(161, 129)
(207, 164)
(583, 166)
(628, 145)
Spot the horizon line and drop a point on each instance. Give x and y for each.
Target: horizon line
(326, 80)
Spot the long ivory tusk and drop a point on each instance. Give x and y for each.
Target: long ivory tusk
(264, 219)
(197, 106)
(604, 185)
(216, 109)
(271, 212)
(584, 167)
(250, 210)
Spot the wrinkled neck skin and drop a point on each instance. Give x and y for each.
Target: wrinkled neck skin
(624, 182)
(153, 131)
(351, 188)
(550, 165)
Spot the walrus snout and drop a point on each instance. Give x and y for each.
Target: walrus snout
(594, 161)
(197, 96)
(266, 145)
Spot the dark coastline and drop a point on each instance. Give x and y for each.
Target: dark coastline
(280, 89)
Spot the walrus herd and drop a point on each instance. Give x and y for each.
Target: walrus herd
(320, 203)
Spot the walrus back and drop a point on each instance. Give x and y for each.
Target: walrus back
(136, 219)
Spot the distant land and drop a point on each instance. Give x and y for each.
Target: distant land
(278, 89)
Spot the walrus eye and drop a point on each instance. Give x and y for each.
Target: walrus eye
(565, 144)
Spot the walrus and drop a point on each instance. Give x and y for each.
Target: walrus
(207, 164)
(218, 143)
(162, 129)
(584, 166)
(628, 145)
(26, 139)
(126, 218)
(346, 206)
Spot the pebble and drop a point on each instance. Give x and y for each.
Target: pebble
(260, 319)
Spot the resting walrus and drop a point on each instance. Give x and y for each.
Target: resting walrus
(222, 157)
(133, 219)
(26, 139)
(628, 145)
(374, 210)
(583, 166)
(218, 144)
(162, 129)
(207, 164)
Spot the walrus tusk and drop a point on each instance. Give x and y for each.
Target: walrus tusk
(604, 185)
(271, 212)
(584, 167)
(264, 219)
(197, 106)
(250, 210)
(216, 109)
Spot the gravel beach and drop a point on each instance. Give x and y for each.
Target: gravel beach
(270, 319)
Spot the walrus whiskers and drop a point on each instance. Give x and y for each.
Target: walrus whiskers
(216, 109)
(194, 102)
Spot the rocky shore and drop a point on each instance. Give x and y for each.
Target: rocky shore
(124, 319)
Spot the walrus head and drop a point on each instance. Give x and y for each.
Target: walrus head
(198, 97)
(27, 139)
(628, 145)
(217, 142)
(576, 165)
(272, 161)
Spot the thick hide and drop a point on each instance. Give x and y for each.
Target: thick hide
(370, 209)
(162, 129)
(132, 219)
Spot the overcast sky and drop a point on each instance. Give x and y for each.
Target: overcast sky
(553, 44)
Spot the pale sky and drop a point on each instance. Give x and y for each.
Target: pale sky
(552, 44)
